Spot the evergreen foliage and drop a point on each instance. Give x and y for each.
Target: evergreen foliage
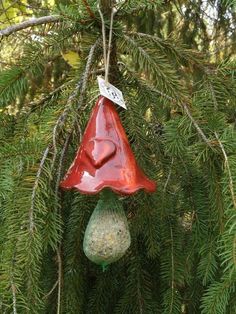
(180, 93)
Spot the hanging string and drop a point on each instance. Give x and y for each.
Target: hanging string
(109, 46)
(106, 53)
(103, 36)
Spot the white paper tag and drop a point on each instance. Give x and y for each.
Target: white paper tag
(111, 92)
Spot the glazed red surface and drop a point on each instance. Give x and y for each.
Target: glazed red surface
(105, 158)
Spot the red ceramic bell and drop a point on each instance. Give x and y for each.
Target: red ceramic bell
(105, 159)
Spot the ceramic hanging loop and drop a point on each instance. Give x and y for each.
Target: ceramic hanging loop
(107, 52)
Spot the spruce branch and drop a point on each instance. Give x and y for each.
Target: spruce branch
(88, 69)
(60, 122)
(172, 99)
(217, 297)
(197, 127)
(38, 175)
(231, 184)
(169, 175)
(213, 95)
(88, 8)
(140, 298)
(59, 280)
(29, 23)
(80, 87)
(35, 104)
(187, 111)
(172, 270)
(61, 160)
(13, 289)
(51, 291)
(155, 66)
(172, 46)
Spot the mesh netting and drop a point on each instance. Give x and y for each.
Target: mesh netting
(107, 234)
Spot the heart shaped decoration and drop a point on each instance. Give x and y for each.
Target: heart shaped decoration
(99, 151)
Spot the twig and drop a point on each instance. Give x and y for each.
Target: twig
(31, 210)
(59, 280)
(213, 95)
(61, 160)
(63, 153)
(51, 291)
(172, 270)
(35, 104)
(13, 288)
(169, 175)
(90, 12)
(185, 107)
(81, 86)
(231, 184)
(60, 122)
(29, 23)
(140, 299)
(88, 69)
(199, 130)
